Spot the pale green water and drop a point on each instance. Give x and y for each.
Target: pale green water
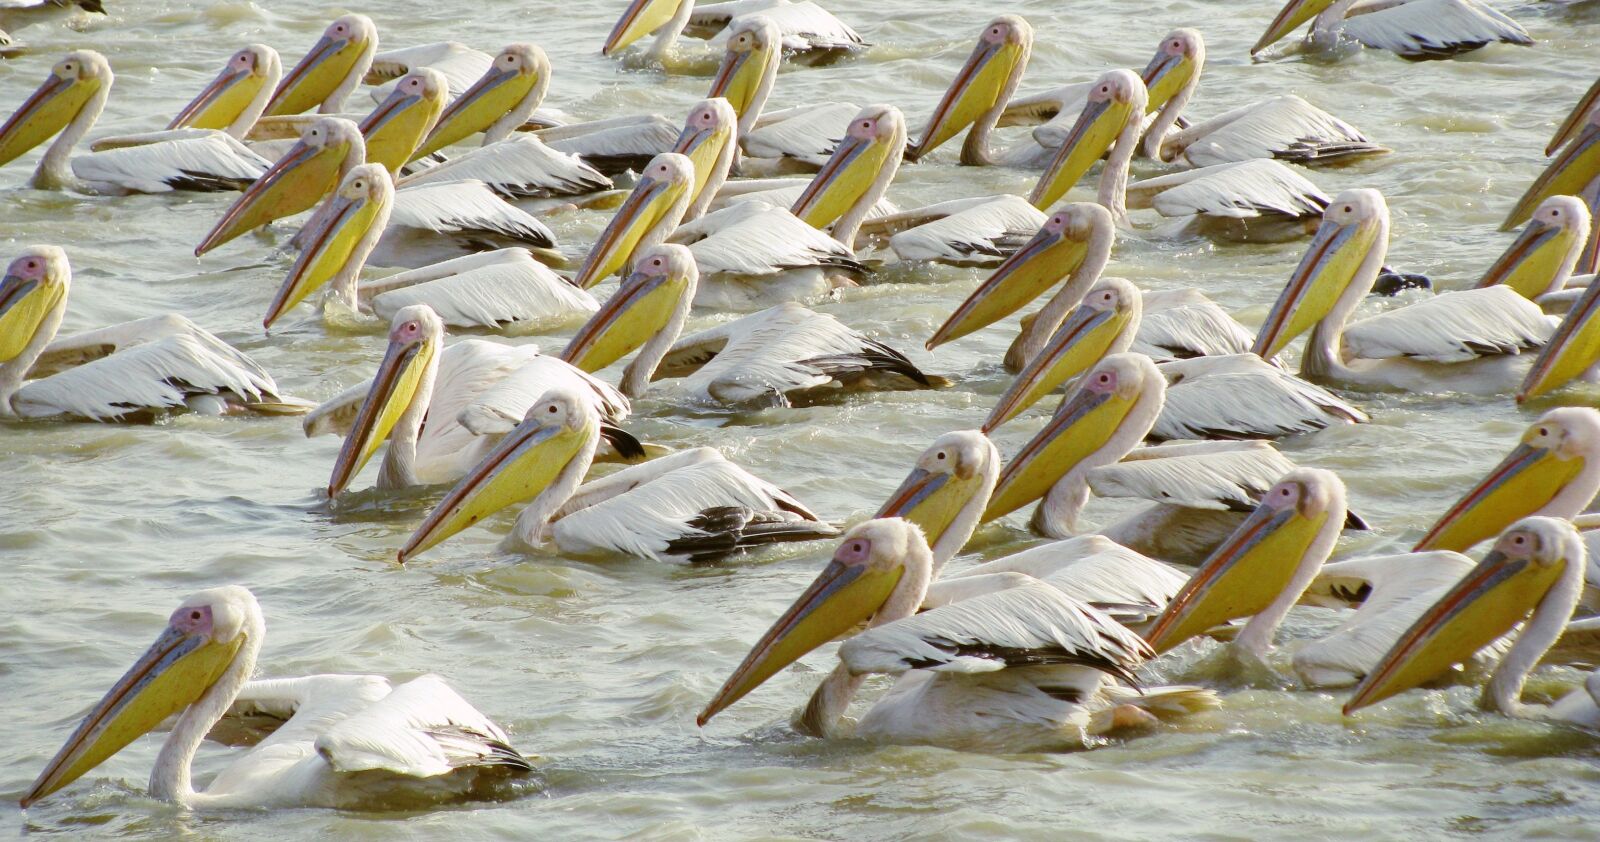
(600, 668)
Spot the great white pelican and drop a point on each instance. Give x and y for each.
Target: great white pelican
(806, 28)
(1412, 29)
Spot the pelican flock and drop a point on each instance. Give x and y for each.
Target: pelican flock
(589, 337)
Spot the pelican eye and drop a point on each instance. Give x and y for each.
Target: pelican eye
(939, 455)
(194, 614)
(551, 409)
(1544, 431)
(856, 547)
(655, 261)
(1105, 378)
(1349, 209)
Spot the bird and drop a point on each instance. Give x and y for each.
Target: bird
(946, 492)
(328, 73)
(1574, 171)
(978, 96)
(801, 137)
(345, 740)
(693, 505)
(1018, 670)
(67, 106)
(1468, 340)
(1533, 576)
(232, 103)
(1540, 262)
(1412, 29)
(442, 409)
(645, 314)
(1253, 200)
(124, 372)
(806, 28)
(336, 240)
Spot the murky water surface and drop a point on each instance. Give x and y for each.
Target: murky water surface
(599, 667)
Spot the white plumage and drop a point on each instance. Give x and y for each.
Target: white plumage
(1453, 327)
(1184, 323)
(213, 161)
(755, 257)
(1244, 190)
(460, 64)
(804, 133)
(438, 221)
(805, 26)
(494, 290)
(1282, 127)
(615, 144)
(519, 167)
(1240, 396)
(1429, 28)
(964, 231)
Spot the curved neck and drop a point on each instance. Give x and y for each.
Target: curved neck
(399, 469)
(966, 521)
(636, 377)
(1057, 514)
(14, 372)
(343, 285)
(830, 700)
(668, 34)
(1539, 633)
(714, 180)
(170, 779)
(529, 530)
(514, 119)
(769, 76)
(1113, 193)
(335, 102)
(241, 125)
(1037, 332)
(55, 168)
(1255, 639)
(976, 150)
(1155, 136)
(848, 224)
(1325, 28)
(1324, 354)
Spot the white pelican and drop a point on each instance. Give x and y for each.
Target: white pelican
(709, 140)
(1021, 669)
(960, 232)
(330, 72)
(1573, 352)
(69, 103)
(1573, 172)
(1535, 571)
(693, 504)
(804, 26)
(133, 369)
(646, 314)
(978, 95)
(946, 492)
(431, 221)
(1541, 260)
(503, 98)
(1199, 487)
(802, 136)
(442, 408)
(1282, 127)
(1412, 29)
(460, 64)
(1236, 396)
(1251, 200)
(783, 355)
(1554, 471)
(502, 290)
(1466, 341)
(345, 738)
(336, 240)
(232, 103)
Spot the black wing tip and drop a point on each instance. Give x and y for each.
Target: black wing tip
(624, 442)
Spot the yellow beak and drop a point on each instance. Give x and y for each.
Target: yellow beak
(641, 18)
(46, 112)
(395, 128)
(1083, 425)
(1091, 137)
(932, 500)
(526, 462)
(221, 102)
(1164, 77)
(1024, 276)
(23, 306)
(393, 389)
(1485, 604)
(331, 237)
(640, 309)
(1530, 264)
(1568, 175)
(739, 77)
(1289, 18)
(489, 99)
(841, 598)
(171, 675)
(1572, 350)
(704, 147)
(975, 90)
(1570, 126)
(1241, 578)
(296, 182)
(1327, 269)
(317, 76)
(850, 171)
(1529, 478)
(644, 208)
(1084, 338)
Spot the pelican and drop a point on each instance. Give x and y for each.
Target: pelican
(1541, 260)
(805, 27)
(1255, 199)
(783, 355)
(1236, 396)
(1554, 471)
(1573, 172)
(125, 371)
(502, 290)
(1262, 568)
(430, 222)
(1466, 341)
(946, 492)
(336, 241)
(497, 104)
(70, 101)
(330, 72)
(232, 103)
(694, 504)
(1282, 127)
(1022, 669)
(1572, 352)
(460, 64)
(979, 94)
(1412, 29)
(345, 738)
(961, 232)
(442, 409)
(1199, 487)
(1535, 571)
(802, 136)
(646, 314)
